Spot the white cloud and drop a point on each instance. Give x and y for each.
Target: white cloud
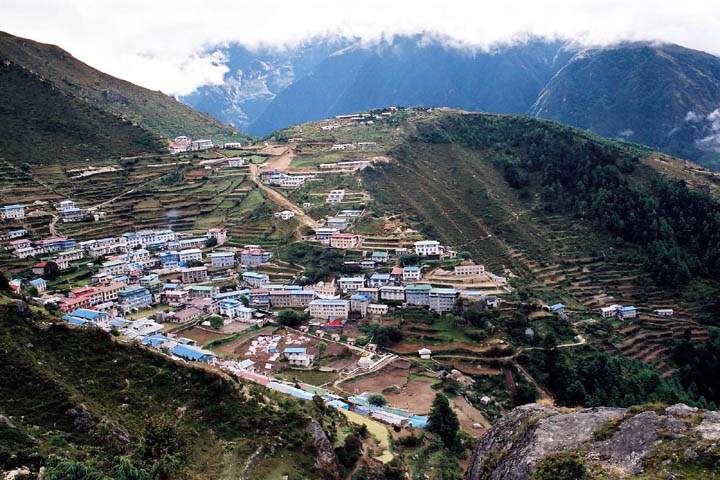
(162, 44)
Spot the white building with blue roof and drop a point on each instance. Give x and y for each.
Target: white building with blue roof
(12, 212)
(192, 353)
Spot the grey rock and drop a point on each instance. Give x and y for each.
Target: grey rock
(325, 460)
(681, 410)
(709, 428)
(632, 442)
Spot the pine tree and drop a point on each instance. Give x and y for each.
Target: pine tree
(444, 423)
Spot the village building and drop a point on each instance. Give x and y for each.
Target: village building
(222, 259)
(664, 312)
(343, 146)
(236, 310)
(378, 280)
(372, 293)
(610, 311)
(298, 357)
(418, 294)
(468, 268)
(134, 298)
(219, 234)
(627, 312)
(359, 303)
(114, 267)
(380, 257)
(255, 279)
(12, 212)
(377, 310)
(192, 353)
(194, 274)
(324, 234)
(427, 248)
(39, 284)
(186, 315)
(84, 316)
(291, 298)
(442, 299)
(197, 145)
(284, 214)
(351, 284)
(340, 223)
(232, 145)
(202, 291)
(236, 162)
(344, 241)
(254, 256)
(328, 309)
(335, 196)
(411, 274)
(392, 293)
(190, 255)
(424, 353)
(110, 291)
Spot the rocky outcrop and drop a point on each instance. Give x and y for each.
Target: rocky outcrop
(325, 460)
(620, 442)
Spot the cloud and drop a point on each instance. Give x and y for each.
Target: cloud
(172, 45)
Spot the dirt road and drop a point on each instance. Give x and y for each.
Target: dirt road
(279, 199)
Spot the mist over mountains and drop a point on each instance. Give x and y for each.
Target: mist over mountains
(664, 96)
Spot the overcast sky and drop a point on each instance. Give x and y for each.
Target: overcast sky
(171, 45)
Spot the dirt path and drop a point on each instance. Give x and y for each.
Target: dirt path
(279, 199)
(280, 162)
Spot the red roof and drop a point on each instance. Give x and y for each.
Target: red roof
(40, 265)
(396, 271)
(342, 235)
(337, 323)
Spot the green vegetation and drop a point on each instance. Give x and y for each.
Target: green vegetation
(560, 466)
(78, 395)
(589, 377)
(699, 365)
(443, 422)
(41, 124)
(319, 262)
(153, 110)
(291, 318)
(677, 228)
(377, 400)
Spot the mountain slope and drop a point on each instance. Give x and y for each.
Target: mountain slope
(42, 124)
(256, 76)
(154, 111)
(416, 71)
(80, 395)
(664, 96)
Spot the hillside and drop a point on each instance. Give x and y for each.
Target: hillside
(40, 123)
(568, 216)
(152, 110)
(663, 96)
(79, 395)
(654, 441)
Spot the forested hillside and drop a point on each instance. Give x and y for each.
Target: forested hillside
(529, 193)
(41, 124)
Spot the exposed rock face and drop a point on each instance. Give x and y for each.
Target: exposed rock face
(615, 440)
(325, 460)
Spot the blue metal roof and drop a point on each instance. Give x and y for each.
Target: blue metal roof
(557, 306)
(295, 350)
(87, 314)
(190, 353)
(154, 340)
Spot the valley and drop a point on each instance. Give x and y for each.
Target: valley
(394, 254)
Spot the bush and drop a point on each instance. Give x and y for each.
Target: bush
(377, 400)
(560, 466)
(291, 318)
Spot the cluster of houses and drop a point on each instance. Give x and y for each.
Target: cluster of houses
(620, 311)
(284, 180)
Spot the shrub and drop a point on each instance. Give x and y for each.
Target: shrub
(560, 466)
